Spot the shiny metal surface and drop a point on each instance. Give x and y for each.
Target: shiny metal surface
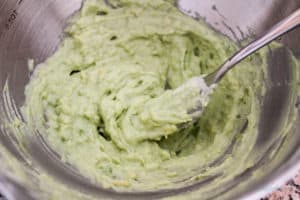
(284, 26)
(34, 28)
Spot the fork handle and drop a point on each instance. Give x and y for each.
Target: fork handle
(284, 26)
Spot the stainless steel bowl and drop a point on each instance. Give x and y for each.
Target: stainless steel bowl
(33, 29)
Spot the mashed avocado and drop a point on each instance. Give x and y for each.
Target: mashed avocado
(91, 98)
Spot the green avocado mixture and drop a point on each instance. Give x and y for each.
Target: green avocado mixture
(93, 99)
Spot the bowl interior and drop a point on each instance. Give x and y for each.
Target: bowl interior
(33, 29)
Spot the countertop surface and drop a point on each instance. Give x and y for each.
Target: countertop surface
(290, 191)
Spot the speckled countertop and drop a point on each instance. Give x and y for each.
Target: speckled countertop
(290, 191)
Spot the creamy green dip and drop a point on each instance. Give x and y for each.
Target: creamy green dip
(92, 98)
